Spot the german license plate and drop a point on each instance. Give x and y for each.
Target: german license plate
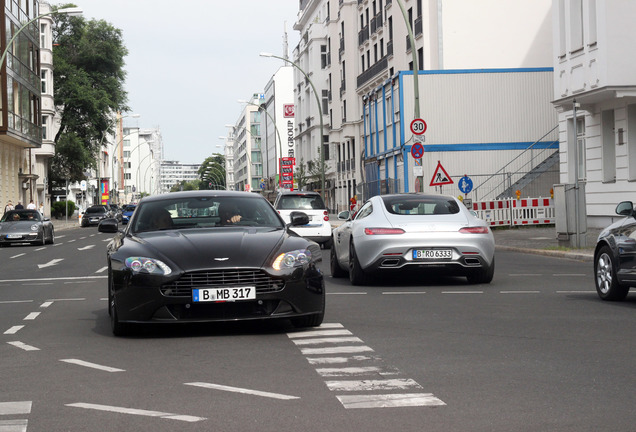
(432, 254)
(14, 236)
(223, 294)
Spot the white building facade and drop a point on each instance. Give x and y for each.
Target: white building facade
(593, 69)
(174, 172)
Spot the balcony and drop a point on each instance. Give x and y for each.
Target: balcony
(373, 71)
(363, 35)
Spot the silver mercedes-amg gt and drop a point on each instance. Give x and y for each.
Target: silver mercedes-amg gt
(435, 233)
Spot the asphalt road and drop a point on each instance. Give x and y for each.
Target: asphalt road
(534, 350)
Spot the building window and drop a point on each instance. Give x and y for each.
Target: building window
(45, 120)
(43, 35)
(43, 79)
(323, 56)
(576, 25)
(591, 22)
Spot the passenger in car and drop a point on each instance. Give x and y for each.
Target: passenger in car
(229, 214)
(160, 219)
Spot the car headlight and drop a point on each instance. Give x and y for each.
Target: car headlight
(292, 259)
(34, 227)
(147, 265)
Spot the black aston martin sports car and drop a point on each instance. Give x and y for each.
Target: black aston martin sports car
(204, 256)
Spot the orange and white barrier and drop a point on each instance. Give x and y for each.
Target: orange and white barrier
(516, 212)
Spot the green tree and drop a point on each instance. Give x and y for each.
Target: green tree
(186, 186)
(212, 172)
(88, 87)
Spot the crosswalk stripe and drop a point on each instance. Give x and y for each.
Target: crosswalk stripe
(23, 346)
(336, 350)
(368, 385)
(308, 334)
(390, 400)
(335, 360)
(18, 407)
(18, 425)
(318, 341)
(355, 371)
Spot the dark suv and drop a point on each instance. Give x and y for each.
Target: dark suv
(94, 214)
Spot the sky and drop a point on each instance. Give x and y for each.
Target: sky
(190, 61)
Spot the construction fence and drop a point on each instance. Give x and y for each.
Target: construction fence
(516, 212)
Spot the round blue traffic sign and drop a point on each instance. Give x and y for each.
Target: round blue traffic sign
(417, 150)
(465, 184)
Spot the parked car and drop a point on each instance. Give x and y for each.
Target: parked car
(421, 232)
(127, 212)
(614, 255)
(26, 226)
(94, 214)
(202, 256)
(319, 227)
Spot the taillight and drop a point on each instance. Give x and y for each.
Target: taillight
(474, 230)
(326, 217)
(383, 231)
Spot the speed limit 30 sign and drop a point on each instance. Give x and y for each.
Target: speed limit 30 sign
(418, 126)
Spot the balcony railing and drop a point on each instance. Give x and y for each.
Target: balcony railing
(363, 35)
(373, 71)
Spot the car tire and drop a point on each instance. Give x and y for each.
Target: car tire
(117, 327)
(483, 275)
(51, 239)
(336, 270)
(607, 286)
(356, 274)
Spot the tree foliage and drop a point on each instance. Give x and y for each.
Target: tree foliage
(186, 186)
(212, 172)
(89, 75)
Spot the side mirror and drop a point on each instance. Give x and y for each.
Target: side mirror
(625, 208)
(298, 218)
(344, 215)
(108, 226)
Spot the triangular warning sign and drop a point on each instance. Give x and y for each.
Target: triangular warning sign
(440, 176)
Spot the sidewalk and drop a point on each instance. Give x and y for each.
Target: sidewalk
(64, 224)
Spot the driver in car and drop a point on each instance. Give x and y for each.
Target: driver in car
(229, 214)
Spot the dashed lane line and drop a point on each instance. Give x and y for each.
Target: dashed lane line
(31, 316)
(14, 329)
(92, 365)
(139, 412)
(53, 279)
(242, 390)
(17, 256)
(23, 346)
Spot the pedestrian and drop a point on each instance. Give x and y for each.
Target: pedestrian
(9, 206)
(31, 205)
(353, 201)
(41, 209)
(19, 206)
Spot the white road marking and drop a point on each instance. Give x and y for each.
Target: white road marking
(346, 293)
(336, 350)
(46, 304)
(10, 408)
(462, 292)
(102, 269)
(60, 236)
(569, 274)
(524, 274)
(317, 341)
(519, 292)
(39, 249)
(370, 385)
(16, 301)
(330, 325)
(92, 365)
(38, 284)
(313, 333)
(242, 390)
(67, 299)
(18, 255)
(336, 360)
(86, 247)
(576, 292)
(71, 241)
(107, 240)
(14, 329)
(82, 238)
(51, 263)
(23, 346)
(17, 425)
(356, 371)
(390, 400)
(31, 316)
(403, 292)
(54, 279)
(140, 412)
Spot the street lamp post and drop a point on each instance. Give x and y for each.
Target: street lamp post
(70, 11)
(321, 148)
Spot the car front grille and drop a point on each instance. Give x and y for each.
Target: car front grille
(183, 286)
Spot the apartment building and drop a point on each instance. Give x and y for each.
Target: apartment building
(173, 172)
(595, 97)
(352, 49)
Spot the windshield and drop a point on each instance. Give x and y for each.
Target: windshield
(21, 215)
(420, 205)
(96, 210)
(300, 202)
(204, 212)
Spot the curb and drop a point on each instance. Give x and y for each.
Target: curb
(574, 255)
